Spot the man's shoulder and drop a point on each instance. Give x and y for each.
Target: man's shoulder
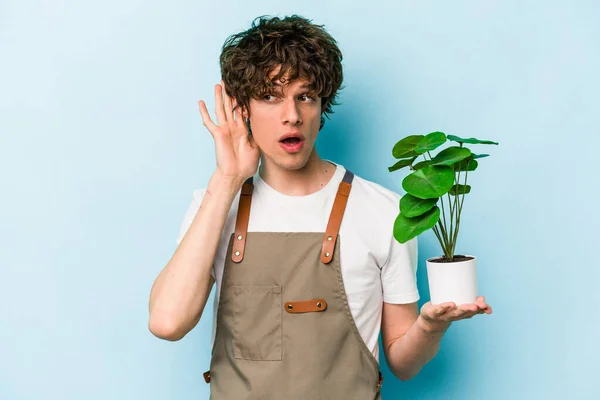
(375, 194)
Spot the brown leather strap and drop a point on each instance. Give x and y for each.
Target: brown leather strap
(335, 218)
(241, 223)
(316, 305)
(331, 233)
(206, 376)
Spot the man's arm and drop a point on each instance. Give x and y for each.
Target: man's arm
(181, 290)
(411, 340)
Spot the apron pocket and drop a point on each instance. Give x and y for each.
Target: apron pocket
(257, 330)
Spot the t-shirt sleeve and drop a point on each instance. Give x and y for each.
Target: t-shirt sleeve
(191, 212)
(188, 218)
(399, 273)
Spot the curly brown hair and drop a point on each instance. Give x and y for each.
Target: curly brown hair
(302, 49)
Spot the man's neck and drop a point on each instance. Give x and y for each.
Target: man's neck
(301, 182)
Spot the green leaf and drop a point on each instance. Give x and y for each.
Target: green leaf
(406, 229)
(475, 156)
(411, 206)
(451, 155)
(421, 164)
(460, 189)
(462, 165)
(430, 182)
(401, 164)
(469, 140)
(430, 142)
(406, 147)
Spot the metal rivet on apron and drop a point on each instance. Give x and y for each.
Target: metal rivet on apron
(240, 237)
(330, 238)
(290, 307)
(237, 253)
(319, 305)
(326, 254)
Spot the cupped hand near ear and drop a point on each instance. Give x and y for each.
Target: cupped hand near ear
(236, 152)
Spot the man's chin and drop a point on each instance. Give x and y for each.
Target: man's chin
(290, 162)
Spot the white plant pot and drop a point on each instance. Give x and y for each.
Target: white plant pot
(452, 281)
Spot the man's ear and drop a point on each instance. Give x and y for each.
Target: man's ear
(244, 112)
(241, 110)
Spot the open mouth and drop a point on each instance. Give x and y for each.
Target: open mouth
(291, 140)
(292, 145)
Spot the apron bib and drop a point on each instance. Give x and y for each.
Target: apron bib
(284, 327)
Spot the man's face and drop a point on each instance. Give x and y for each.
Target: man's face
(289, 110)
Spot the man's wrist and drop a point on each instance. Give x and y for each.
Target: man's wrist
(432, 327)
(220, 182)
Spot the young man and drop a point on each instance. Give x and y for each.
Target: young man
(307, 269)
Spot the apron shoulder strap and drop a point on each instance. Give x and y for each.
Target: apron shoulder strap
(241, 223)
(331, 233)
(335, 218)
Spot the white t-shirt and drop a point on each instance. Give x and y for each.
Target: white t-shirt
(375, 267)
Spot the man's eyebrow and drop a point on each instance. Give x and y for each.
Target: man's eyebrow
(304, 86)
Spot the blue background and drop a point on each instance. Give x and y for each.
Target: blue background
(102, 144)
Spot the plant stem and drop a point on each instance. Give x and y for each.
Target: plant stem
(456, 211)
(445, 237)
(436, 230)
(460, 209)
(437, 234)
(451, 212)
(443, 220)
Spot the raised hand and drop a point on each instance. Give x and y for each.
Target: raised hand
(440, 316)
(237, 153)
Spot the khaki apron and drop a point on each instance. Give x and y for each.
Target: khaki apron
(284, 329)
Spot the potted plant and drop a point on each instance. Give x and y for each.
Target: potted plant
(436, 180)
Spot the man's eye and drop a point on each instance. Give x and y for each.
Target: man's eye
(268, 97)
(306, 97)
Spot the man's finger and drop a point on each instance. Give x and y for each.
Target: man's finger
(234, 112)
(484, 310)
(208, 123)
(469, 307)
(480, 302)
(239, 118)
(483, 306)
(461, 313)
(221, 118)
(228, 105)
(443, 308)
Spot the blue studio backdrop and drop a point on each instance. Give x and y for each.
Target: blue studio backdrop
(101, 146)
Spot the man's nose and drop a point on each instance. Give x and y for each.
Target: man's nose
(290, 113)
